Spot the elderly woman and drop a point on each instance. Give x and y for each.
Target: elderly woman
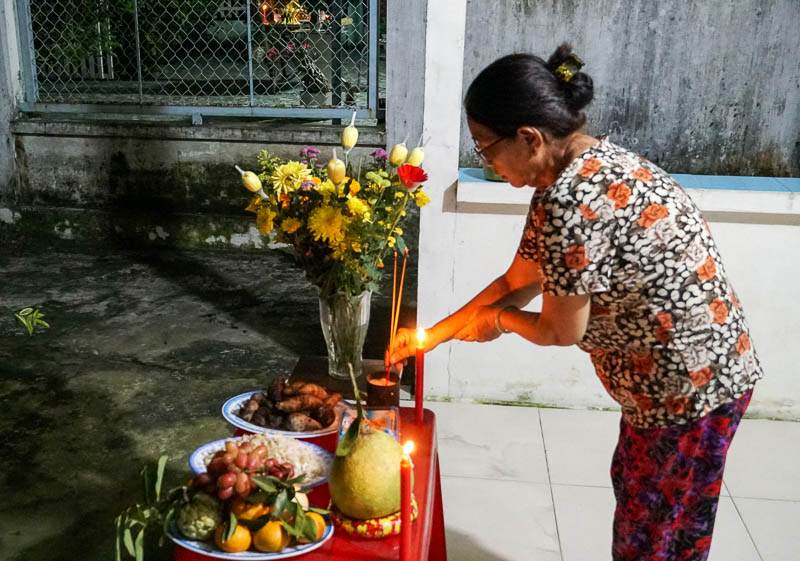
(629, 272)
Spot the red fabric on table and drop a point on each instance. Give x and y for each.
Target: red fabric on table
(427, 490)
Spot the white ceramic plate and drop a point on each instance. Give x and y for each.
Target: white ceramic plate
(231, 408)
(200, 458)
(206, 548)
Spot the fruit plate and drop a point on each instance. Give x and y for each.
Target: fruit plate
(319, 456)
(208, 549)
(231, 408)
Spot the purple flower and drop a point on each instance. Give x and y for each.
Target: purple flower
(380, 155)
(309, 152)
(307, 185)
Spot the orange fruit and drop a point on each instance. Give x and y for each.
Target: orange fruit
(321, 524)
(271, 538)
(248, 511)
(239, 541)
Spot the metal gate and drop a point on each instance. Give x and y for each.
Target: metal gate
(267, 58)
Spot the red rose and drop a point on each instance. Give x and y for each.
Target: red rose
(587, 213)
(411, 176)
(590, 167)
(665, 319)
(619, 193)
(642, 174)
(652, 214)
(643, 364)
(743, 344)
(575, 257)
(707, 270)
(719, 310)
(701, 377)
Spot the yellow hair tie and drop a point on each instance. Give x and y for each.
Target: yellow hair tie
(567, 69)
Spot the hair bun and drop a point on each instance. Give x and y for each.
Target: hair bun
(578, 89)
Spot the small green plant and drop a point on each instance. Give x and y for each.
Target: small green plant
(31, 318)
(155, 513)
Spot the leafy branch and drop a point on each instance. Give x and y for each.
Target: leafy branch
(31, 318)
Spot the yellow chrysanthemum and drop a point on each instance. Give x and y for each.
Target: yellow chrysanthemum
(356, 247)
(326, 188)
(355, 187)
(291, 225)
(391, 241)
(358, 208)
(339, 251)
(421, 198)
(399, 195)
(398, 231)
(265, 220)
(289, 176)
(327, 223)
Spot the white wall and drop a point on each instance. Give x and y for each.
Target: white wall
(760, 251)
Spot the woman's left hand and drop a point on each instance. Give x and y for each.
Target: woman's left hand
(481, 327)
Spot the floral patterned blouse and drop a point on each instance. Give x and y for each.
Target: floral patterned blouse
(666, 333)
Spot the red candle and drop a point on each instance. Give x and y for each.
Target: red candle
(406, 481)
(420, 381)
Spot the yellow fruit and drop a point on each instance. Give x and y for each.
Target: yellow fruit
(239, 541)
(336, 169)
(366, 483)
(248, 511)
(271, 538)
(416, 157)
(250, 180)
(397, 156)
(320, 523)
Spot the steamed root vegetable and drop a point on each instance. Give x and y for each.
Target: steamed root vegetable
(303, 388)
(325, 415)
(300, 422)
(299, 403)
(333, 399)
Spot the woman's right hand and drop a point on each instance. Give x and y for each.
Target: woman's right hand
(404, 346)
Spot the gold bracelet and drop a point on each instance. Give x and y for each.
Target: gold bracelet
(497, 323)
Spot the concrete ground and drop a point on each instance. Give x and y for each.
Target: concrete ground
(142, 351)
(144, 347)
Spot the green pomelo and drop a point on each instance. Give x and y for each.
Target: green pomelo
(366, 483)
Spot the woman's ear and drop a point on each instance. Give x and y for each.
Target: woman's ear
(532, 136)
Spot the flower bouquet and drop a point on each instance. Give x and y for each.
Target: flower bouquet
(339, 220)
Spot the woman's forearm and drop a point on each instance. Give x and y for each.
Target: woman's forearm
(497, 293)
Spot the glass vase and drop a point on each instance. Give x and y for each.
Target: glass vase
(344, 320)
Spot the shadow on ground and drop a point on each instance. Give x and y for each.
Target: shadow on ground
(143, 349)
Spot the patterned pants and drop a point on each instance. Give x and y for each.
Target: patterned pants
(667, 483)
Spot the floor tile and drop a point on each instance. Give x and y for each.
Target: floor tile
(585, 517)
(764, 461)
(490, 441)
(580, 445)
(498, 520)
(773, 525)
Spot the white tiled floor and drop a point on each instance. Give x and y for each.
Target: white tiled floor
(533, 485)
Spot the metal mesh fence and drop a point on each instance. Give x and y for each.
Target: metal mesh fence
(258, 55)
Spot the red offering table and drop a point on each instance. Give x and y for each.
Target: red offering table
(428, 538)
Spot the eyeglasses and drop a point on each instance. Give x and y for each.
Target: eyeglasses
(481, 152)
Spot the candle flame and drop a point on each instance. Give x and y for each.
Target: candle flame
(408, 447)
(421, 335)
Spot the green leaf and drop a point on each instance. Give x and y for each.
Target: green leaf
(146, 483)
(117, 545)
(170, 514)
(265, 485)
(280, 504)
(162, 463)
(232, 523)
(349, 439)
(400, 243)
(305, 526)
(320, 511)
(127, 539)
(139, 546)
(291, 529)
